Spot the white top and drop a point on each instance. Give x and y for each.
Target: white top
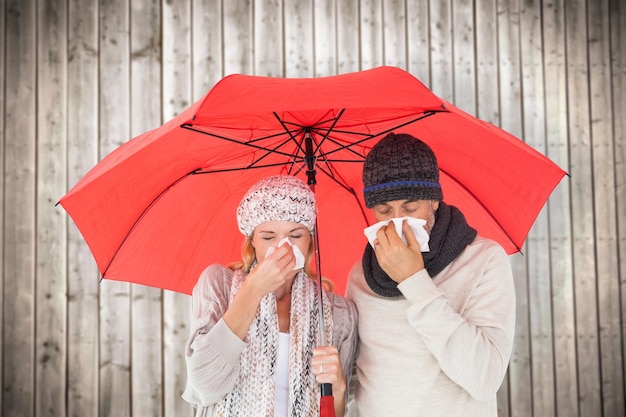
(443, 347)
(281, 377)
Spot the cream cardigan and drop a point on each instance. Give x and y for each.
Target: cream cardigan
(441, 349)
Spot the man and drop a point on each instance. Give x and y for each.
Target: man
(436, 327)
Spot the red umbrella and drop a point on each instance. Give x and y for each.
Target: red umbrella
(161, 207)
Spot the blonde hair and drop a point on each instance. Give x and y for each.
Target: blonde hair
(248, 258)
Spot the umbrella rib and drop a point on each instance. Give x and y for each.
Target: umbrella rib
(249, 144)
(330, 129)
(213, 171)
(369, 137)
(288, 131)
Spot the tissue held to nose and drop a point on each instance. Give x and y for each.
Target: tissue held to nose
(416, 225)
(296, 252)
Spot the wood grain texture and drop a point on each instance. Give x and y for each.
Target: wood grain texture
(557, 134)
(617, 25)
(51, 245)
(298, 40)
(19, 226)
(603, 172)
(394, 33)
(441, 49)
(238, 32)
(582, 206)
(348, 41)
(82, 141)
(463, 51)
(2, 147)
(371, 32)
(207, 46)
(418, 40)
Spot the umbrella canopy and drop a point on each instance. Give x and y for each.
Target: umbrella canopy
(161, 207)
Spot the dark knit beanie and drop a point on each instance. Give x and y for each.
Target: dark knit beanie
(400, 167)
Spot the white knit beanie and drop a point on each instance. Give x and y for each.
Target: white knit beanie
(281, 197)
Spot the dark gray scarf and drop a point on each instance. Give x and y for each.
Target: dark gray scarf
(449, 237)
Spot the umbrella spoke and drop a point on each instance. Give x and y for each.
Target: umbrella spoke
(367, 137)
(241, 168)
(322, 135)
(239, 142)
(330, 129)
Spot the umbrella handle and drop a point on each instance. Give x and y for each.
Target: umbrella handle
(327, 402)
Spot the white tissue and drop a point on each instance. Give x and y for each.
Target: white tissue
(296, 252)
(416, 225)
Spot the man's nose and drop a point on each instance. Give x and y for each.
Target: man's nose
(397, 212)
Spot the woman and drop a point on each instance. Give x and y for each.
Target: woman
(254, 347)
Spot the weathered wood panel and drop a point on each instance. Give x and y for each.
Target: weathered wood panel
(371, 33)
(207, 46)
(238, 39)
(269, 39)
(348, 36)
(393, 22)
(82, 139)
(603, 171)
(2, 145)
(584, 244)
(418, 40)
(51, 284)
(463, 50)
(561, 268)
(441, 54)
(19, 232)
(617, 24)
(486, 34)
(298, 45)
(324, 38)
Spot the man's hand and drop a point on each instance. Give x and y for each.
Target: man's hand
(398, 259)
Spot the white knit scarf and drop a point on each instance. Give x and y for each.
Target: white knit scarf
(253, 394)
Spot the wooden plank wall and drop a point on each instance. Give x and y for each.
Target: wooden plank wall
(80, 77)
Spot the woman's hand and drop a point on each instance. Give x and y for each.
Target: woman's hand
(273, 271)
(327, 369)
(269, 275)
